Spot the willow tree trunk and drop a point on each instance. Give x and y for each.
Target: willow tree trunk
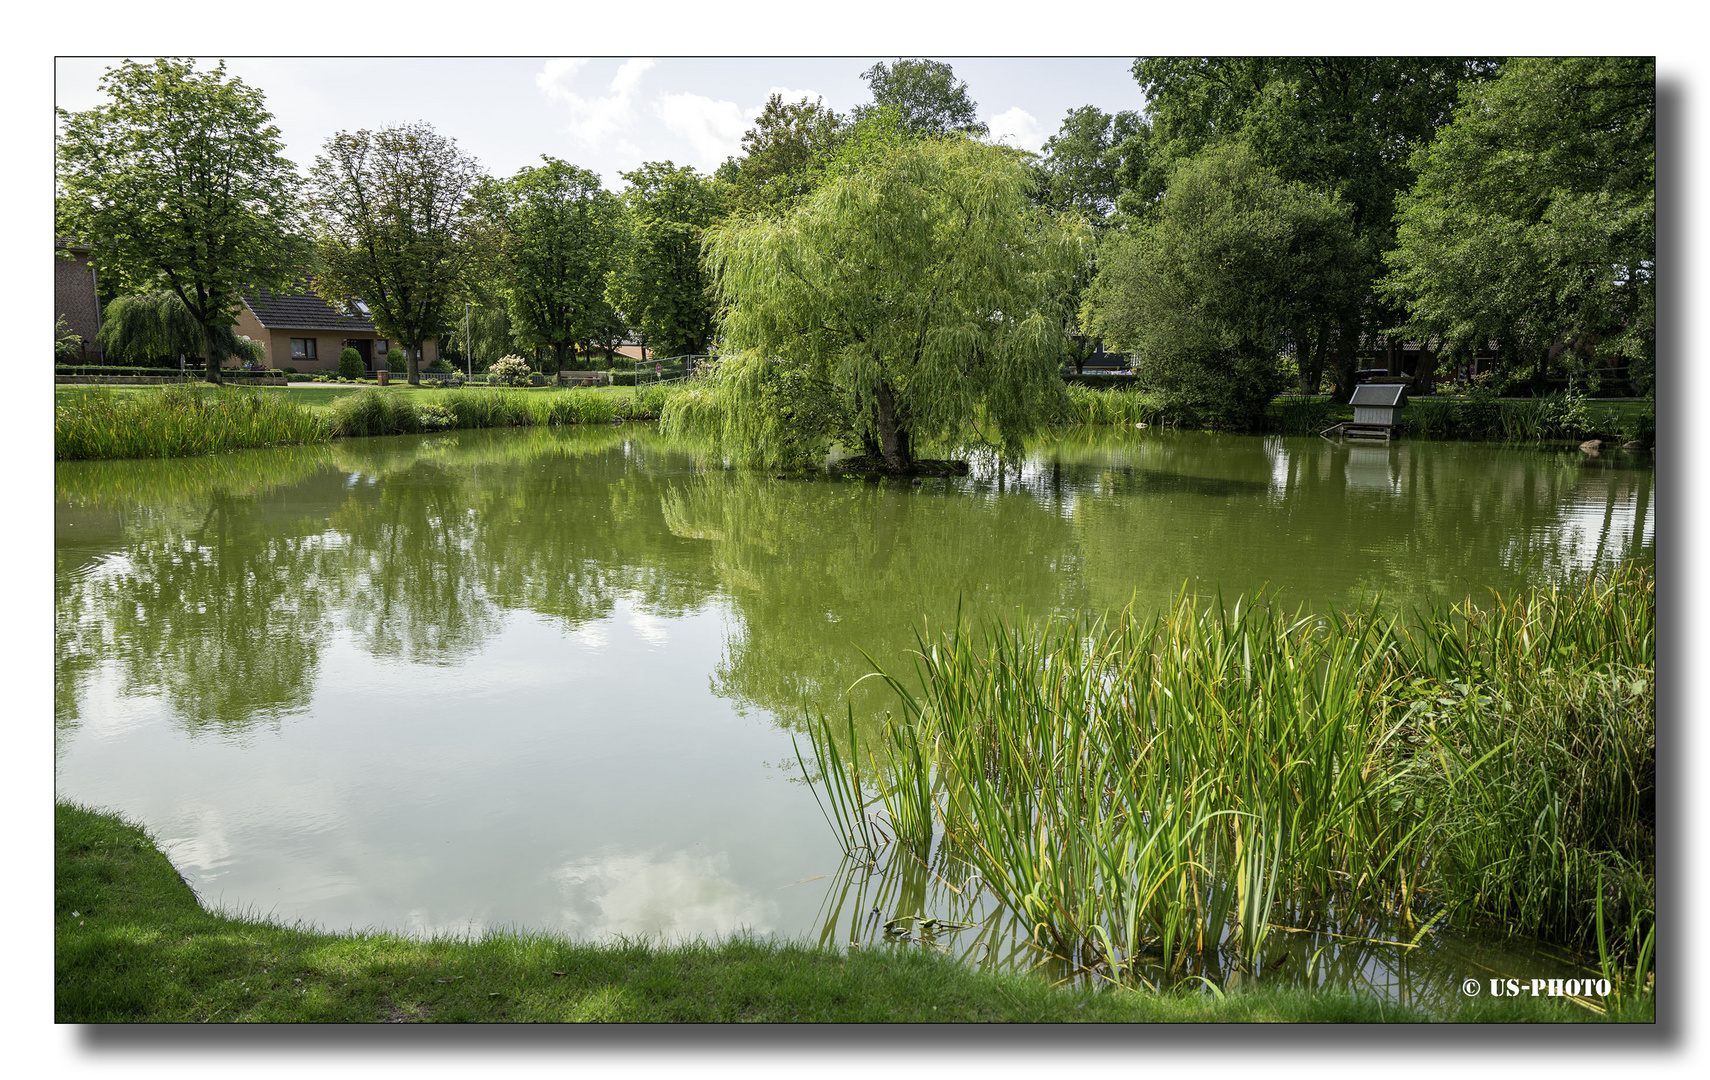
(893, 442)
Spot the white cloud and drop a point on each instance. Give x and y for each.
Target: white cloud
(555, 78)
(789, 96)
(593, 120)
(712, 128)
(1017, 127)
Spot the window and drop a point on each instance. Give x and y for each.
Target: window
(383, 350)
(302, 348)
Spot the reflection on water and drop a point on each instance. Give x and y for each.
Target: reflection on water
(677, 898)
(547, 677)
(901, 900)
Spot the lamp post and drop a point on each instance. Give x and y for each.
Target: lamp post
(468, 349)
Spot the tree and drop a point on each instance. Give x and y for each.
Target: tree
(1342, 126)
(1237, 265)
(1080, 165)
(146, 328)
(661, 288)
(1533, 220)
(179, 183)
(395, 226)
(903, 301)
(559, 236)
(784, 153)
(929, 99)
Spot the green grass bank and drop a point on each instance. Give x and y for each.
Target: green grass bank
(1559, 418)
(132, 944)
(188, 420)
(184, 420)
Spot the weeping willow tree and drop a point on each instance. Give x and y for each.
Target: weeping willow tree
(917, 296)
(480, 336)
(147, 327)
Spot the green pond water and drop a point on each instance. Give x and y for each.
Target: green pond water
(548, 679)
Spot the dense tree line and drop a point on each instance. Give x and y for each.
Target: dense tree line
(1267, 214)
(1261, 221)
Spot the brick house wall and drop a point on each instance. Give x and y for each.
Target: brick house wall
(74, 299)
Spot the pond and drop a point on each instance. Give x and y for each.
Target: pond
(549, 678)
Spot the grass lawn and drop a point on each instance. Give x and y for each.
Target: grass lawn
(320, 396)
(131, 943)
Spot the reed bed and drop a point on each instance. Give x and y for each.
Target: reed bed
(1088, 405)
(1147, 793)
(189, 420)
(177, 421)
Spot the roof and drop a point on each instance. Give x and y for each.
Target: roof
(1379, 394)
(301, 311)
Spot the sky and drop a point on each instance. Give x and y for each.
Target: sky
(611, 114)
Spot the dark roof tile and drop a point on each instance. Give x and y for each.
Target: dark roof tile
(301, 311)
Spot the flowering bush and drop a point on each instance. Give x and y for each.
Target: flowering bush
(509, 371)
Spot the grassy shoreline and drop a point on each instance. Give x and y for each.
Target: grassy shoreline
(133, 944)
(189, 420)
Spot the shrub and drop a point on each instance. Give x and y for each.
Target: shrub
(65, 343)
(350, 364)
(509, 371)
(397, 362)
(289, 370)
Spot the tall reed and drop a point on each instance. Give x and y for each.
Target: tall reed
(177, 421)
(1144, 792)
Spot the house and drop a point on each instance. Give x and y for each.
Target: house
(74, 286)
(300, 330)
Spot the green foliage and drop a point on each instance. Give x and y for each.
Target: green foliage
(178, 182)
(1339, 126)
(1080, 164)
(785, 154)
(1533, 220)
(661, 287)
(1483, 414)
(177, 421)
(148, 327)
(250, 352)
(65, 343)
(156, 326)
(900, 302)
(928, 98)
(1236, 265)
(559, 237)
(374, 412)
(350, 364)
(1145, 793)
(395, 225)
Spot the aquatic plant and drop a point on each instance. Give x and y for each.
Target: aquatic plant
(177, 421)
(1144, 792)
